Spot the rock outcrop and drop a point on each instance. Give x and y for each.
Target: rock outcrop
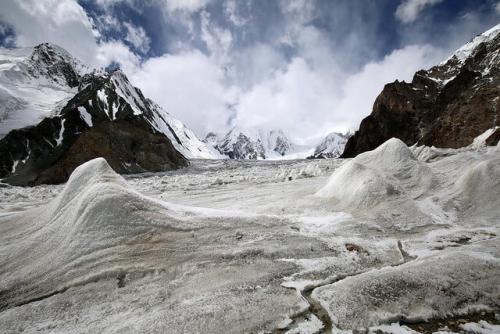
(446, 106)
(108, 118)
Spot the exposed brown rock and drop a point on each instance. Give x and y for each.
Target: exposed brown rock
(446, 106)
(127, 148)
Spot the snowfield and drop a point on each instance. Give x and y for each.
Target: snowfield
(396, 240)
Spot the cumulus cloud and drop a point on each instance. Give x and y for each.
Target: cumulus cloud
(286, 64)
(137, 37)
(190, 86)
(409, 10)
(309, 104)
(116, 52)
(62, 22)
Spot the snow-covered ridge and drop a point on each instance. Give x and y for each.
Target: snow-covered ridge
(468, 49)
(332, 146)
(38, 82)
(35, 83)
(259, 144)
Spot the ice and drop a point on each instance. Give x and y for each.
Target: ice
(391, 294)
(238, 246)
(372, 177)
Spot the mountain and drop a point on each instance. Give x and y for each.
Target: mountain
(331, 147)
(253, 144)
(36, 83)
(273, 145)
(446, 106)
(84, 114)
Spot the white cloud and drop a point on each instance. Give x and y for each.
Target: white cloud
(185, 5)
(217, 39)
(359, 91)
(63, 22)
(231, 12)
(137, 37)
(190, 86)
(497, 7)
(307, 103)
(116, 51)
(409, 10)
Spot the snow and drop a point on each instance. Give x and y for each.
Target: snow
(27, 91)
(258, 143)
(332, 146)
(311, 326)
(14, 166)
(183, 139)
(84, 114)
(60, 137)
(127, 92)
(480, 140)
(466, 51)
(236, 246)
(101, 94)
(482, 327)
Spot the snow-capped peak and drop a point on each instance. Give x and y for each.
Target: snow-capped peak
(332, 146)
(467, 50)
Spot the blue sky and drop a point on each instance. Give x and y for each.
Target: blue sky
(307, 67)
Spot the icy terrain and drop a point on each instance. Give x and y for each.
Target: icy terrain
(396, 240)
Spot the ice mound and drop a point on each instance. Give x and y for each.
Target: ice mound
(96, 212)
(435, 287)
(93, 172)
(373, 176)
(479, 185)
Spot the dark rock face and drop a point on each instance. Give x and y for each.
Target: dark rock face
(446, 106)
(54, 62)
(108, 118)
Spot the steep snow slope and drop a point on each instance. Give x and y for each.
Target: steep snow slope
(252, 144)
(38, 82)
(35, 83)
(272, 145)
(332, 146)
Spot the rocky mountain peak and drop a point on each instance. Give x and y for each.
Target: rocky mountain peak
(51, 61)
(447, 105)
(332, 146)
(89, 114)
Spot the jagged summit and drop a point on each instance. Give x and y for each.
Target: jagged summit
(252, 144)
(447, 105)
(332, 146)
(75, 114)
(53, 62)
